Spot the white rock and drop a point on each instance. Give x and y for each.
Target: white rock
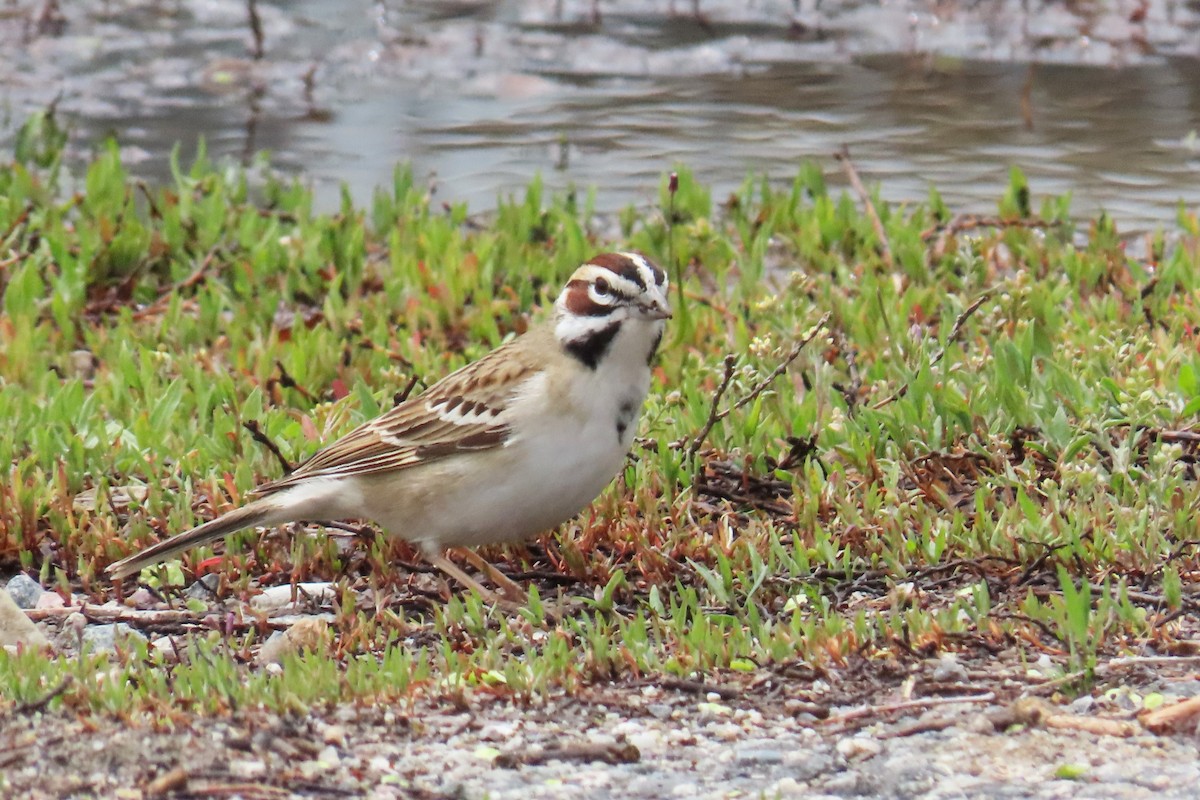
(278, 597)
(247, 769)
(308, 634)
(647, 741)
(949, 670)
(25, 591)
(725, 732)
(15, 627)
(50, 600)
(166, 646)
(788, 787)
(104, 638)
(334, 735)
(859, 747)
(498, 731)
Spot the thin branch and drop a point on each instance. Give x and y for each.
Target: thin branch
(402, 395)
(153, 619)
(1161, 435)
(615, 753)
(310, 83)
(43, 701)
(1027, 97)
(256, 29)
(955, 332)
(843, 157)
(908, 705)
(1174, 716)
(257, 434)
(288, 382)
(919, 726)
(766, 382)
(197, 276)
(672, 190)
(713, 414)
(696, 687)
(167, 783)
(968, 222)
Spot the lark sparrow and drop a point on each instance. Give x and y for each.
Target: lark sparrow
(506, 447)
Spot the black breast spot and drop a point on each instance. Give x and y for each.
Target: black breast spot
(592, 347)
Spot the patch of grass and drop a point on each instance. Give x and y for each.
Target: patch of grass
(988, 445)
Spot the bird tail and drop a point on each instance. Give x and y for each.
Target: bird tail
(266, 511)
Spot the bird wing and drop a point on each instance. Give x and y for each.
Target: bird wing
(467, 410)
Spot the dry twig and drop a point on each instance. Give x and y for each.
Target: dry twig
(256, 433)
(715, 416)
(1035, 712)
(955, 332)
(256, 29)
(907, 705)
(1172, 717)
(696, 687)
(170, 781)
(43, 701)
(197, 275)
(843, 157)
(618, 753)
(968, 222)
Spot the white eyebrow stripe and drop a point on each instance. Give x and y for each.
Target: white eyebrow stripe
(620, 284)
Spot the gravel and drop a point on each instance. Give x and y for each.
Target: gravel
(788, 735)
(435, 751)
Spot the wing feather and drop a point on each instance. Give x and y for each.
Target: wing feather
(467, 410)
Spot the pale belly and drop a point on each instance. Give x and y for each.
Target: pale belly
(505, 494)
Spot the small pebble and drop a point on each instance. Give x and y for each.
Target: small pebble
(788, 787)
(247, 769)
(25, 591)
(334, 735)
(104, 638)
(166, 646)
(757, 755)
(1082, 704)
(75, 622)
(143, 598)
(859, 747)
(307, 635)
(205, 588)
(50, 600)
(948, 670)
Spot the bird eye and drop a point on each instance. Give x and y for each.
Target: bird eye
(602, 287)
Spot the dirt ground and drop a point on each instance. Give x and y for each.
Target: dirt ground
(931, 729)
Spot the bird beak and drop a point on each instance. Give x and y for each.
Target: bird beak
(658, 309)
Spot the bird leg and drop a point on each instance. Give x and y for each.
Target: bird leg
(507, 586)
(511, 591)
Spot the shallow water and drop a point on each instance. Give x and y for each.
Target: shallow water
(481, 96)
